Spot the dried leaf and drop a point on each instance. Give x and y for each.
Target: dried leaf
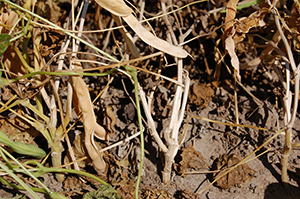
(228, 34)
(13, 63)
(51, 40)
(11, 60)
(267, 52)
(89, 121)
(153, 41)
(201, 95)
(246, 23)
(230, 47)
(79, 150)
(230, 16)
(110, 119)
(237, 176)
(8, 18)
(191, 159)
(116, 7)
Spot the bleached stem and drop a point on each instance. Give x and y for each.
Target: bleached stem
(151, 122)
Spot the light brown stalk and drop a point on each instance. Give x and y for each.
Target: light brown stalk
(289, 115)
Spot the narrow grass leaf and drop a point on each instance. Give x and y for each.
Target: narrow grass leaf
(22, 148)
(15, 177)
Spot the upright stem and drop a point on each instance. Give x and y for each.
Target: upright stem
(285, 156)
(289, 116)
(133, 73)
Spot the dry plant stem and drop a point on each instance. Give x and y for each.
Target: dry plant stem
(236, 100)
(171, 134)
(289, 117)
(54, 144)
(57, 134)
(120, 142)
(142, 9)
(151, 122)
(107, 38)
(169, 26)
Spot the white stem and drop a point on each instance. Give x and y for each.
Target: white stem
(81, 24)
(151, 122)
(120, 142)
(184, 101)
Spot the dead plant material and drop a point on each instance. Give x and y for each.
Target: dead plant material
(293, 22)
(79, 150)
(228, 36)
(51, 41)
(13, 62)
(230, 16)
(18, 130)
(201, 95)
(8, 19)
(110, 119)
(84, 104)
(156, 193)
(243, 173)
(191, 160)
(127, 191)
(246, 23)
(117, 7)
(153, 41)
(188, 194)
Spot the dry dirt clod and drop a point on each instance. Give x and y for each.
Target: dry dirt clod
(201, 95)
(243, 173)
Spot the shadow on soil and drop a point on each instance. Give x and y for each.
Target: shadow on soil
(277, 191)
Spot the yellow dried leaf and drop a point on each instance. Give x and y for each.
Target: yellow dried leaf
(153, 41)
(116, 7)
